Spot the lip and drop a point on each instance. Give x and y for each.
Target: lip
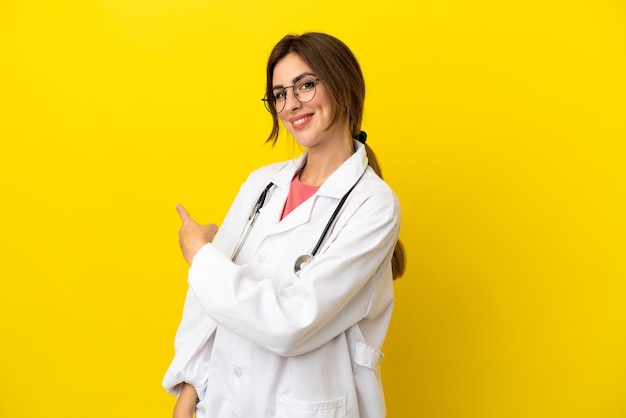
(306, 118)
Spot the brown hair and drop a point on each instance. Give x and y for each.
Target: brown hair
(333, 62)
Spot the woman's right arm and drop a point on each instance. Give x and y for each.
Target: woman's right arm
(186, 404)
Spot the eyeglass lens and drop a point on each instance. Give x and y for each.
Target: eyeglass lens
(303, 90)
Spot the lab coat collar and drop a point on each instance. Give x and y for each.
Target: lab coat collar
(338, 182)
(335, 187)
(343, 178)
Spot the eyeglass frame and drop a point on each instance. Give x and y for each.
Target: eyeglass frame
(267, 101)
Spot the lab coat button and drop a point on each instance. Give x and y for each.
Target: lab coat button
(237, 371)
(260, 258)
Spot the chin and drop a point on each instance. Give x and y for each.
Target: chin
(303, 140)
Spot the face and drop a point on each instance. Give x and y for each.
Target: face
(306, 122)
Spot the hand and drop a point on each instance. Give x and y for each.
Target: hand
(186, 403)
(191, 235)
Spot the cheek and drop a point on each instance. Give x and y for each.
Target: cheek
(319, 99)
(321, 102)
(285, 123)
(283, 120)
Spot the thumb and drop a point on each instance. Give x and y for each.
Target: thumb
(182, 212)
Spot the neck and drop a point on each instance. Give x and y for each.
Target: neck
(322, 162)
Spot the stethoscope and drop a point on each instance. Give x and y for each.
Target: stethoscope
(303, 260)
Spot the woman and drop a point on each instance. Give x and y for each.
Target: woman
(266, 332)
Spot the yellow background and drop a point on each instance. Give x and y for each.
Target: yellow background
(501, 125)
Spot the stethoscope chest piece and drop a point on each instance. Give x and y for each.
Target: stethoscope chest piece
(302, 262)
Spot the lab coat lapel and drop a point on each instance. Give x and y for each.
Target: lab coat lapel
(334, 188)
(297, 217)
(276, 202)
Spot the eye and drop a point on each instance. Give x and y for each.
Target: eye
(306, 85)
(279, 94)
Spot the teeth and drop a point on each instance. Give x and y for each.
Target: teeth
(299, 121)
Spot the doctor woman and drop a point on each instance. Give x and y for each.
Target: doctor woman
(288, 305)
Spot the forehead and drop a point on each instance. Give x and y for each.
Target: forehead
(288, 68)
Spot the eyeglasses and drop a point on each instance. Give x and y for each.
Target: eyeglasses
(303, 91)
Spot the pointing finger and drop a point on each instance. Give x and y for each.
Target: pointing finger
(182, 212)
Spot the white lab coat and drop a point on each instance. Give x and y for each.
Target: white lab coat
(257, 341)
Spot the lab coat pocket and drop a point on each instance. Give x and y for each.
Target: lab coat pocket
(295, 408)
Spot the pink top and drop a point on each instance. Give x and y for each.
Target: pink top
(298, 193)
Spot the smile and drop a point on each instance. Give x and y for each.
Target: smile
(301, 122)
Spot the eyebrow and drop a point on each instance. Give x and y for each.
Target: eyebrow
(294, 81)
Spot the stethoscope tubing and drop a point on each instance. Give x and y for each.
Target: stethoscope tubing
(254, 213)
(332, 220)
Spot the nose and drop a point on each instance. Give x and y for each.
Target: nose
(291, 102)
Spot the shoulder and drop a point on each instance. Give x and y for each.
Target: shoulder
(376, 187)
(371, 187)
(376, 196)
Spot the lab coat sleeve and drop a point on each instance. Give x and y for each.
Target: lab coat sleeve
(194, 337)
(192, 350)
(338, 290)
